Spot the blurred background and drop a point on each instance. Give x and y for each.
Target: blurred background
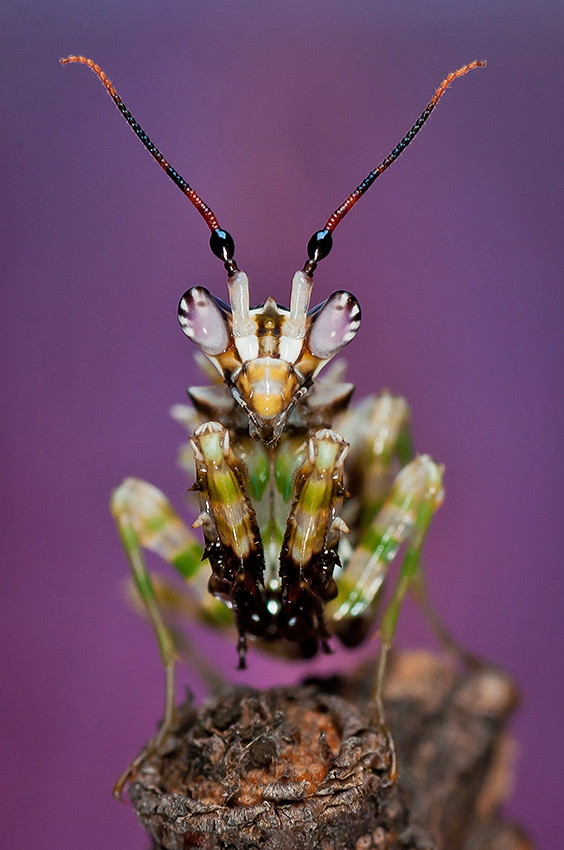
(273, 112)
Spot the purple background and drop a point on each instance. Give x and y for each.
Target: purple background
(274, 112)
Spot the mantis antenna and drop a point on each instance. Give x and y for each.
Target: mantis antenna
(321, 242)
(221, 242)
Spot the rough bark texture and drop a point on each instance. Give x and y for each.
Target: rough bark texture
(307, 767)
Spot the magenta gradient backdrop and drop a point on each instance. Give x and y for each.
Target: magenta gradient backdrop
(274, 112)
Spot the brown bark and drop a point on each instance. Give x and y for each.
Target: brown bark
(308, 767)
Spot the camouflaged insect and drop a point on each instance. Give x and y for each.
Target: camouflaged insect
(304, 499)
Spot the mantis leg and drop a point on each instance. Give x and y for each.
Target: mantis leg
(145, 519)
(403, 519)
(233, 542)
(379, 433)
(422, 511)
(309, 550)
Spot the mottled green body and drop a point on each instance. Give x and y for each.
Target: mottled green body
(299, 536)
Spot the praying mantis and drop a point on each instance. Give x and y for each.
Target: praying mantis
(304, 499)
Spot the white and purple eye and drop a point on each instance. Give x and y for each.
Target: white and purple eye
(334, 323)
(202, 321)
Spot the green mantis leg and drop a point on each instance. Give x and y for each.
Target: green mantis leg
(379, 431)
(145, 519)
(429, 498)
(404, 518)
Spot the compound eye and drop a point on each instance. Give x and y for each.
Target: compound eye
(202, 321)
(333, 324)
